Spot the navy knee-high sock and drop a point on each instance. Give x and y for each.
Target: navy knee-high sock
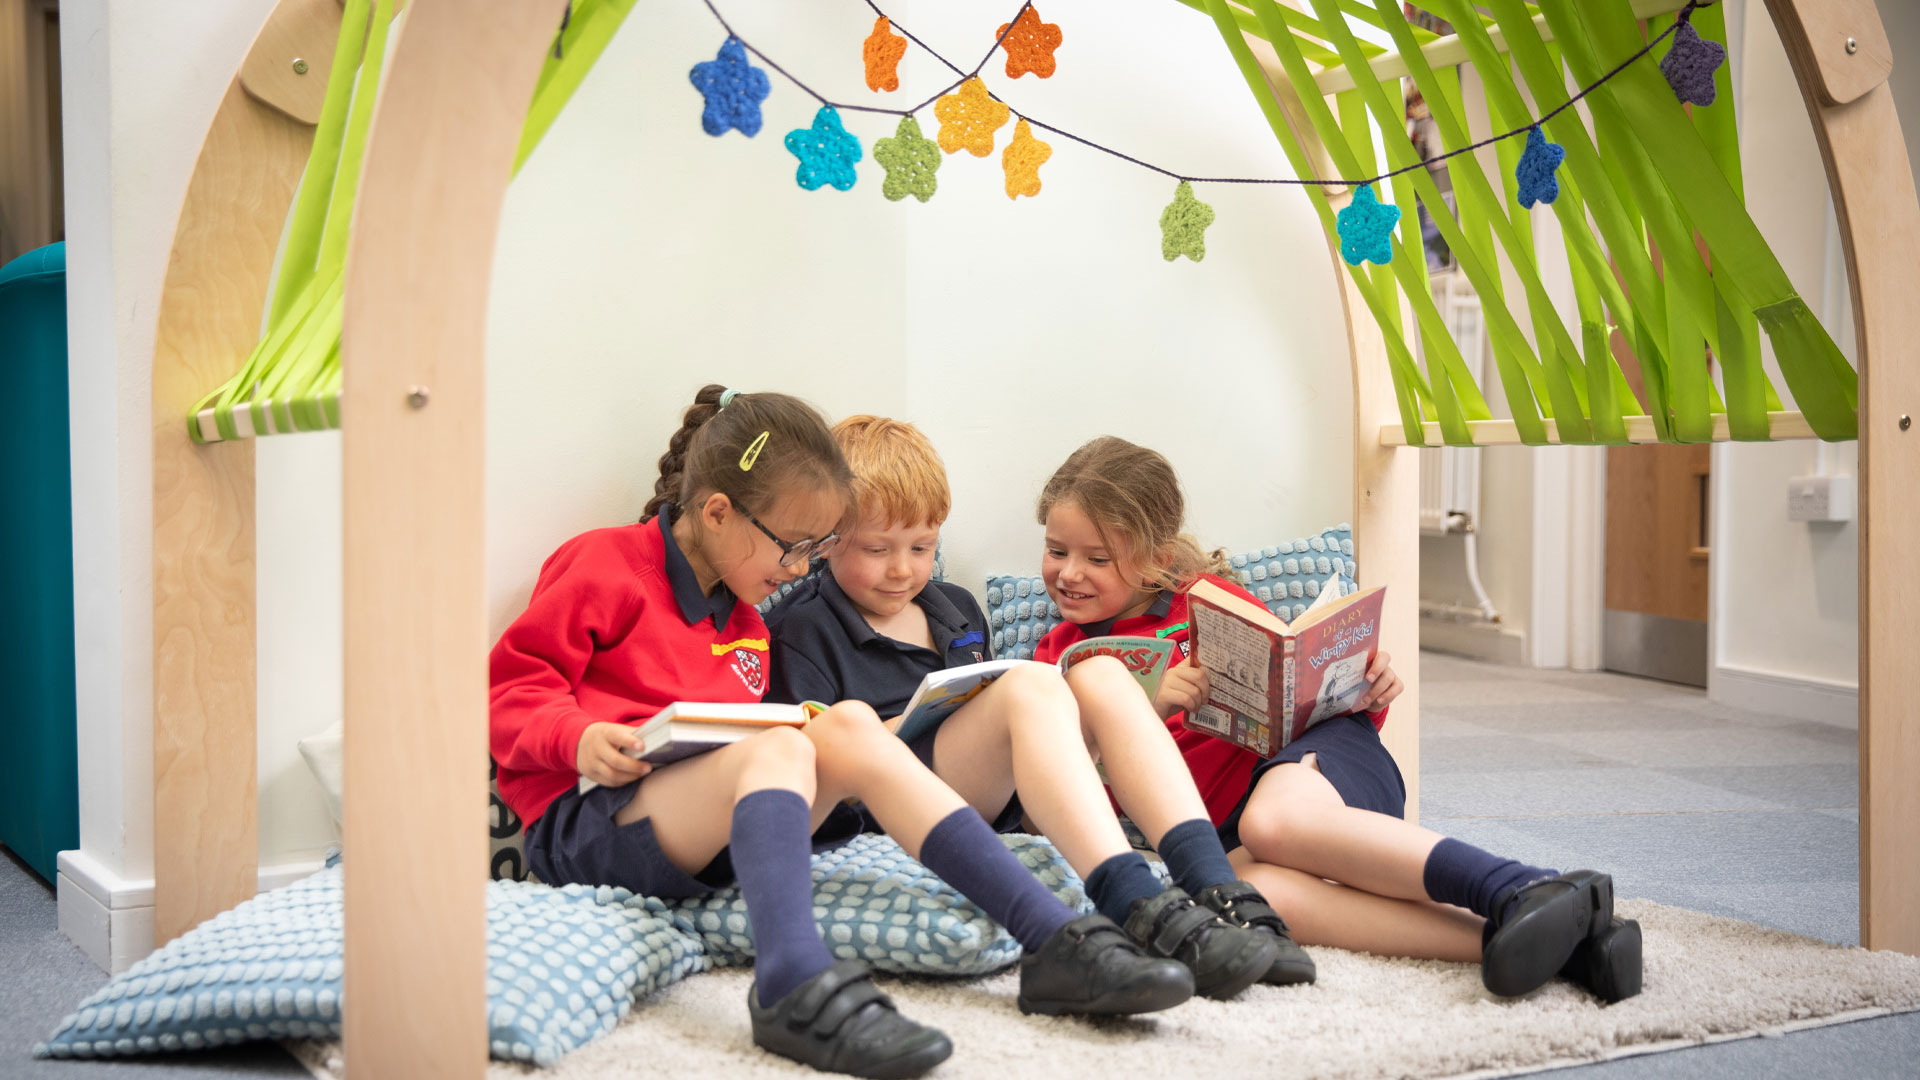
(1120, 880)
(969, 856)
(1194, 856)
(772, 851)
(1462, 874)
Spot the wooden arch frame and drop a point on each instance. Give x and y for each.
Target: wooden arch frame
(437, 165)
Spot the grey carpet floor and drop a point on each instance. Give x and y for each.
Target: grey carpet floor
(1683, 801)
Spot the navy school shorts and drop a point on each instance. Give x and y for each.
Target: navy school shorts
(1351, 757)
(576, 842)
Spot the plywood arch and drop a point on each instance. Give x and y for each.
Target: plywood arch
(436, 172)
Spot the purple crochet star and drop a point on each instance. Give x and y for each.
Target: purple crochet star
(1690, 64)
(734, 90)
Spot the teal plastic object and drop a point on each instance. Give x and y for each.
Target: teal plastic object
(39, 761)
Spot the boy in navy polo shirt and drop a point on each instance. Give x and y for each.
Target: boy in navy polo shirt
(1021, 752)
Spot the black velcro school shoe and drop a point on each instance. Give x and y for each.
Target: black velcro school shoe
(1607, 963)
(838, 1021)
(1539, 927)
(1090, 967)
(1225, 959)
(1241, 904)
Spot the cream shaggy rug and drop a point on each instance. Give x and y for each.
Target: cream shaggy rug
(1707, 979)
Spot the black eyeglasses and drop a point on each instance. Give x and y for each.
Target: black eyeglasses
(793, 551)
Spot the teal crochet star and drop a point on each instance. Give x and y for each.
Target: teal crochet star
(1183, 225)
(826, 151)
(734, 90)
(1366, 229)
(1536, 168)
(911, 159)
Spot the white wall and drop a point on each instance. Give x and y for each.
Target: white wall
(1786, 593)
(640, 258)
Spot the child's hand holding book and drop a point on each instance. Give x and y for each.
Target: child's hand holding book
(605, 755)
(1184, 688)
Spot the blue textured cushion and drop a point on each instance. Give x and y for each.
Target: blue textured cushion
(563, 965)
(876, 904)
(1286, 577)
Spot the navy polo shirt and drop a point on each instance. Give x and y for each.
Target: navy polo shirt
(824, 650)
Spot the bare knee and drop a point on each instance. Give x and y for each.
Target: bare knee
(780, 757)
(1275, 827)
(847, 734)
(1034, 694)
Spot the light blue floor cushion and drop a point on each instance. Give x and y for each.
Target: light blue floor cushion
(877, 905)
(563, 965)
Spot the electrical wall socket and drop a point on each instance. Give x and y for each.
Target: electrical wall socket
(1820, 498)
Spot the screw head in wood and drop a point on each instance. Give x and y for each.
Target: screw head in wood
(1905, 421)
(1852, 46)
(300, 66)
(417, 397)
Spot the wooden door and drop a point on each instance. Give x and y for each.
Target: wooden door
(1656, 562)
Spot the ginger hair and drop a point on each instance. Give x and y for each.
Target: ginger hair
(898, 478)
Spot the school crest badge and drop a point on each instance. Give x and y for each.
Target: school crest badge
(751, 669)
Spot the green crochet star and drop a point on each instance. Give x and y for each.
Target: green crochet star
(910, 159)
(1183, 225)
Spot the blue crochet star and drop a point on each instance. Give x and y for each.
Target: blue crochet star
(1535, 171)
(1690, 64)
(734, 90)
(826, 151)
(1366, 228)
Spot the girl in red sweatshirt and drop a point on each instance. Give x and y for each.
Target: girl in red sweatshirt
(1319, 826)
(624, 621)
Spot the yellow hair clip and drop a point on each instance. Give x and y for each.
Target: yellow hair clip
(753, 452)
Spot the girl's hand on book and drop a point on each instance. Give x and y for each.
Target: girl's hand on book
(1386, 685)
(1183, 689)
(602, 756)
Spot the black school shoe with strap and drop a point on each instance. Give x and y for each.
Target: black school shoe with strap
(1607, 963)
(1225, 959)
(1539, 926)
(1090, 967)
(1239, 903)
(838, 1021)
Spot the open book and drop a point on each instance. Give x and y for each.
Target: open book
(942, 693)
(1269, 680)
(686, 728)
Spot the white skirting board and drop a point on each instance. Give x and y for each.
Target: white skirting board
(111, 917)
(1785, 695)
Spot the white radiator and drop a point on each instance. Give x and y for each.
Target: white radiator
(1450, 476)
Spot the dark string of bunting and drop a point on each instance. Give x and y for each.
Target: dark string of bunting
(970, 115)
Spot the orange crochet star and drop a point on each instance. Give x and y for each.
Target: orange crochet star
(1022, 160)
(882, 53)
(1030, 46)
(968, 119)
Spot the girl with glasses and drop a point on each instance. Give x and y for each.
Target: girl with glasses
(625, 621)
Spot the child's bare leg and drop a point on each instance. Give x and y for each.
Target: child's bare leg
(1296, 819)
(1023, 733)
(753, 797)
(1151, 782)
(1321, 912)
(1090, 967)
(855, 755)
(1139, 756)
(691, 802)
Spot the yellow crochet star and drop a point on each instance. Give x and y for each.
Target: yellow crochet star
(969, 117)
(1022, 160)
